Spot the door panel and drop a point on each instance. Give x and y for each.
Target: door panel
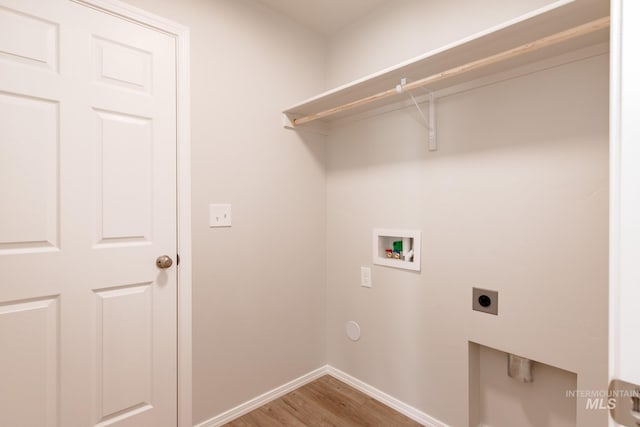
(124, 353)
(29, 362)
(123, 65)
(88, 152)
(125, 153)
(28, 40)
(29, 151)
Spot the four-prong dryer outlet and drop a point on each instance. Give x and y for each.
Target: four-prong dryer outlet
(485, 300)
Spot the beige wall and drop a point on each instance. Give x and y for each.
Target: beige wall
(258, 289)
(402, 29)
(516, 199)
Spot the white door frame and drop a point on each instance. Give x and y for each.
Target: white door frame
(183, 136)
(624, 269)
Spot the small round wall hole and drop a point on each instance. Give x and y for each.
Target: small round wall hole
(484, 301)
(353, 330)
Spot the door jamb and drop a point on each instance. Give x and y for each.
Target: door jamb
(183, 139)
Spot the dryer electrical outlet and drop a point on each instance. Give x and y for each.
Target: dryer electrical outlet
(485, 300)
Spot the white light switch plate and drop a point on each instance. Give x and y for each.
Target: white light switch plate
(220, 215)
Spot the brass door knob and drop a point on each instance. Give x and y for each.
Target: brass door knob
(164, 261)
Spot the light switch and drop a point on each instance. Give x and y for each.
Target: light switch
(220, 215)
(365, 277)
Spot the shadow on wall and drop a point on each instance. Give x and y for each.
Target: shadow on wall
(489, 118)
(501, 401)
(314, 143)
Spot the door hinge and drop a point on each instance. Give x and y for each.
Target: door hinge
(624, 403)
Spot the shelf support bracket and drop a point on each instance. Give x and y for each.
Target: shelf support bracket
(429, 122)
(433, 142)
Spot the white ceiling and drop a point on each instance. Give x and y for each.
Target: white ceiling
(324, 16)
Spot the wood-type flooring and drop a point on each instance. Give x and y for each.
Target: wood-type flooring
(325, 402)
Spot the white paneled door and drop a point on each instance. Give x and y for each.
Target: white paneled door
(88, 325)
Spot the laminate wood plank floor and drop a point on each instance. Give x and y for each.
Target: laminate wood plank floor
(325, 402)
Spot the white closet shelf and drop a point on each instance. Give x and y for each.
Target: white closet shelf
(563, 26)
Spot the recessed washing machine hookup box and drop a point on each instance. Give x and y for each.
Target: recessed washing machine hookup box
(397, 248)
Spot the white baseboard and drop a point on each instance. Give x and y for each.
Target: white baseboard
(382, 397)
(392, 402)
(263, 399)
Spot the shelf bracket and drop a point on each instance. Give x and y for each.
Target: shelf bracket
(429, 122)
(433, 142)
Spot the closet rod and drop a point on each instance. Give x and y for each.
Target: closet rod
(581, 30)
